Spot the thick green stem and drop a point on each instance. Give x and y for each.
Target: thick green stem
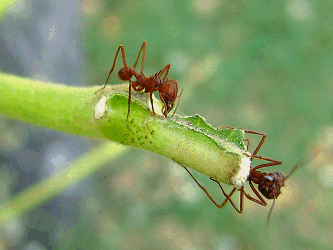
(60, 107)
(190, 141)
(5, 4)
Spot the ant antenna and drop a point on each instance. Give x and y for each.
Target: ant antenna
(180, 95)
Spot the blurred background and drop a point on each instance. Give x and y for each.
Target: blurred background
(261, 66)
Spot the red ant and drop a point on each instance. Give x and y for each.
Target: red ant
(168, 89)
(269, 184)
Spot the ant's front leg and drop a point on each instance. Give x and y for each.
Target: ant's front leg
(136, 87)
(263, 137)
(261, 141)
(120, 48)
(271, 163)
(261, 201)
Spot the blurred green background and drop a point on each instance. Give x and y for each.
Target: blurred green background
(257, 65)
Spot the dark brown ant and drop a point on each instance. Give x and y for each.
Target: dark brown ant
(168, 89)
(269, 184)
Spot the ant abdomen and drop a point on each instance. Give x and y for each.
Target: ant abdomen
(126, 74)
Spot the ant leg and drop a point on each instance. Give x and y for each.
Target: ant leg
(136, 88)
(224, 126)
(120, 48)
(271, 163)
(270, 212)
(250, 132)
(248, 144)
(247, 140)
(143, 50)
(228, 197)
(129, 99)
(261, 201)
(261, 141)
(164, 108)
(166, 70)
(181, 92)
(241, 199)
(151, 101)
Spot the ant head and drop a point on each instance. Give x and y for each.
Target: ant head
(168, 94)
(169, 88)
(125, 74)
(270, 184)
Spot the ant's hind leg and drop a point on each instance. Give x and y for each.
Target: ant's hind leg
(270, 163)
(120, 48)
(143, 50)
(261, 141)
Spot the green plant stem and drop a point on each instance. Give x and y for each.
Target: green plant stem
(190, 141)
(176, 138)
(53, 185)
(73, 110)
(5, 4)
(64, 108)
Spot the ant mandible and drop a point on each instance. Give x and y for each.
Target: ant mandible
(168, 89)
(269, 184)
